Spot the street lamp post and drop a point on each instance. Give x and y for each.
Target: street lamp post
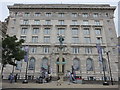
(109, 67)
(60, 72)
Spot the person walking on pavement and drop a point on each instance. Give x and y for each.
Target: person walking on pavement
(69, 77)
(58, 81)
(43, 76)
(11, 78)
(46, 77)
(16, 77)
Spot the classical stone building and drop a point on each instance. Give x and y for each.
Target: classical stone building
(3, 28)
(82, 26)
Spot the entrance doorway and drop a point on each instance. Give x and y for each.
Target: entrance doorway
(63, 65)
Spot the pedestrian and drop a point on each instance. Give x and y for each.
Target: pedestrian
(46, 76)
(11, 78)
(40, 79)
(58, 81)
(43, 76)
(50, 78)
(15, 77)
(73, 78)
(69, 77)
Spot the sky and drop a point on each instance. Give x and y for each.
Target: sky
(4, 11)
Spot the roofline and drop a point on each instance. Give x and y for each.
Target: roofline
(63, 6)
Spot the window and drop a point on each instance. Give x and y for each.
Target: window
(37, 22)
(91, 78)
(27, 14)
(16, 13)
(32, 64)
(44, 63)
(106, 14)
(86, 31)
(89, 64)
(61, 22)
(46, 39)
(103, 50)
(74, 22)
(37, 14)
(85, 14)
(47, 31)
(75, 50)
(45, 49)
(19, 65)
(104, 65)
(74, 31)
(24, 30)
(61, 31)
(74, 14)
(35, 31)
(76, 64)
(110, 31)
(114, 50)
(61, 14)
(99, 40)
(87, 39)
(25, 22)
(75, 39)
(23, 37)
(47, 22)
(108, 21)
(34, 38)
(107, 78)
(85, 22)
(48, 14)
(97, 31)
(33, 49)
(97, 22)
(88, 50)
(95, 15)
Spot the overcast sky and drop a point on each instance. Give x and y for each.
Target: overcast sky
(4, 11)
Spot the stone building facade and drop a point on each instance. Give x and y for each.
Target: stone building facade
(3, 28)
(82, 26)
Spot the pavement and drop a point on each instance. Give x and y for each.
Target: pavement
(53, 84)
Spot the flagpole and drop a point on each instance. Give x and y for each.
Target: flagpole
(25, 81)
(109, 67)
(101, 60)
(26, 60)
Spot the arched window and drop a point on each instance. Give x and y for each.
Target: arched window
(32, 64)
(76, 64)
(44, 63)
(104, 64)
(89, 64)
(19, 65)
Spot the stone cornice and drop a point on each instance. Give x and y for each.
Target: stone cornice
(63, 6)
